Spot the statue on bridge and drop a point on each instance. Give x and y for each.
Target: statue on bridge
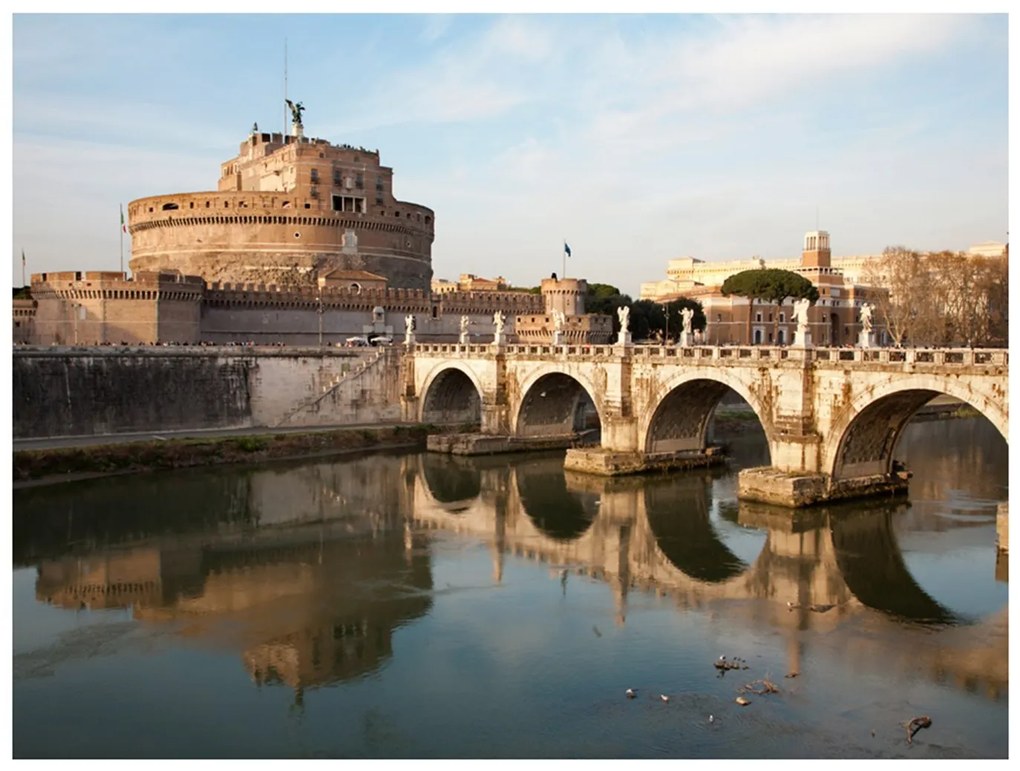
(623, 314)
(866, 311)
(865, 338)
(688, 318)
(802, 338)
(465, 335)
(686, 334)
(410, 324)
(498, 321)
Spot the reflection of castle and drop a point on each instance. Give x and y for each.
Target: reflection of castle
(285, 583)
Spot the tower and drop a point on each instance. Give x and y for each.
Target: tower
(565, 295)
(817, 253)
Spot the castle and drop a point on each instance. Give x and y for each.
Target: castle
(287, 210)
(302, 243)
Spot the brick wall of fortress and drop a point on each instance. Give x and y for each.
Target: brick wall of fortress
(265, 315)
(72, 392)
(103, 307)
(276, 238)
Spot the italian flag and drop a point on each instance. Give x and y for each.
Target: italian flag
(123, 227)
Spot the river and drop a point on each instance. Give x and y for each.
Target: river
(424, 606)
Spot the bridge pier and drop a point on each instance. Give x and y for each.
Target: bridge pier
(610, 463)
(794, 489)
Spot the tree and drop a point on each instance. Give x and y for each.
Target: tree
(771, 285)
(648, 318)
(606, 298)
(941, 298)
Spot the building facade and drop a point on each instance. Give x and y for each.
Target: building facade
(834, 320)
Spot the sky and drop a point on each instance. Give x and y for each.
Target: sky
(635, 138)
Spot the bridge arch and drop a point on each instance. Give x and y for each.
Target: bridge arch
(863, 437)
(552, 402)
(684, 406)
(451, 393)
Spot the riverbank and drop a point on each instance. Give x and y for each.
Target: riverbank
(71, 463)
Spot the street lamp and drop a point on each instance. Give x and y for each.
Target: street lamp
(318, 298)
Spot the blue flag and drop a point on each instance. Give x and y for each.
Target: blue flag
(566, 248)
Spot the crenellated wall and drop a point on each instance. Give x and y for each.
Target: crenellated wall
(98, 308)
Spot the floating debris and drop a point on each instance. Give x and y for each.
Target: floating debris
(595, 629)
(815, 607)
(916, 725)
(791, 674)
(742, 701)
(631, 693)
(724, 663)
(664, 698)
(760, 687)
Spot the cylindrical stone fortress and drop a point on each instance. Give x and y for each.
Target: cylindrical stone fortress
(287, 209)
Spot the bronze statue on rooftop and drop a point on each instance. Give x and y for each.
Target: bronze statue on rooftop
(295, 111)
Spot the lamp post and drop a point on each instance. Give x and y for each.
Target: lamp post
(318, 298)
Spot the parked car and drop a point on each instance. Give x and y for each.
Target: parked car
(356, 342)
(381, 340)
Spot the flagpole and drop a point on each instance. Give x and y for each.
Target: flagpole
(564, 274)
(23, 268)
(122, 240)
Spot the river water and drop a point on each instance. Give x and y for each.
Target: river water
(422, 606)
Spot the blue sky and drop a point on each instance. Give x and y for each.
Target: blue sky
(637, 138)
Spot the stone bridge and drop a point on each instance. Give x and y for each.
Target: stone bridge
(831, 416)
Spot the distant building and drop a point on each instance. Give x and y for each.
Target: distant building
(469, 282)
(833, 320)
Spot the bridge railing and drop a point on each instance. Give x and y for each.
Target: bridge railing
(949, 357)
(964, 357)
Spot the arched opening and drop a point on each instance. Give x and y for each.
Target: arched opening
(867, 445)
(452, 399)
(558, 405)
(698, 413)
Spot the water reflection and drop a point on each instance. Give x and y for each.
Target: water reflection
(306, 570)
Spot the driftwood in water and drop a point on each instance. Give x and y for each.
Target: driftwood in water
(916, 725)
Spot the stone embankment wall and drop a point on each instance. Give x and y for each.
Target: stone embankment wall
(92, 391)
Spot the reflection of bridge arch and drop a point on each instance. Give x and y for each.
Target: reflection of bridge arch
(684, 407)
(683, 532)
(555, 403)
(864, 435)
(451, 483)
(452, 394)
(557, 512)
(871, 564)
